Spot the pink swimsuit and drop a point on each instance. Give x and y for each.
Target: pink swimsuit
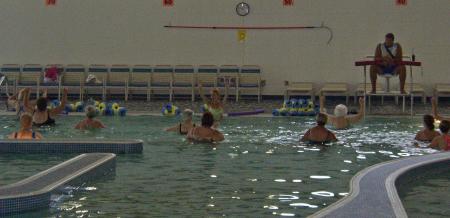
(447, 140)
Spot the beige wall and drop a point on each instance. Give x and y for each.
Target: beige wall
(131, 32)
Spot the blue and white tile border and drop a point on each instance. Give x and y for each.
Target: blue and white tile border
(64, 146)
(34, 192)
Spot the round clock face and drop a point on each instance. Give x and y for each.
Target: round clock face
(242, 9)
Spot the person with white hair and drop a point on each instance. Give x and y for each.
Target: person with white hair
(184, 127)
(90, 122)
(340, 119)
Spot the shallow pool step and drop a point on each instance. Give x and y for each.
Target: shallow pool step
(34, 192)
(67, 146)
(373, 191)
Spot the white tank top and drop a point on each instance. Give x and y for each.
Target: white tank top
(385, 53)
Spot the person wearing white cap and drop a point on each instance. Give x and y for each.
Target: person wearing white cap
(340, 119)
(184, 127)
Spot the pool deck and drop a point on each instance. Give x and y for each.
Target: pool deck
(142, 107)
(373, 191)
(265, 115)
(34, 192)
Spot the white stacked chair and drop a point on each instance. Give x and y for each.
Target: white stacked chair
(140, 80)
(335, 89)
(118, 79)
(100, 72)
(73, 79)
(54, 87)
(441, 90)
(184, 80)
(162, 79)
(12, 72)
(250, 81)
(299, 88)
(31, 77)
(230, 73)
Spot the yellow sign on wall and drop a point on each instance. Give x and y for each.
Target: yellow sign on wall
(242, 35)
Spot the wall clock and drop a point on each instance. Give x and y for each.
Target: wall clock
(243, 9)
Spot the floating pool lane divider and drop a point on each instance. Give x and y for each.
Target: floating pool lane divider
(246, 113)
(103, 108)
(170, 110)
(35, 192)
(297, 107)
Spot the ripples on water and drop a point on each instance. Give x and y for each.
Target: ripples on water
(428, 197)
(260, 170)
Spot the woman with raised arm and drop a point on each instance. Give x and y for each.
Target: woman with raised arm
(340, 119)
(15, 102)
(435, 111)
(215, 105)
(42, 116)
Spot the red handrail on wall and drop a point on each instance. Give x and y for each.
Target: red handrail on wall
(254, 28)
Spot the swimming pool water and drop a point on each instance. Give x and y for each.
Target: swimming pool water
(428, 197)
(259, 170)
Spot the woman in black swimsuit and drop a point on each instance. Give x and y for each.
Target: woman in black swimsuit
(183, 127)
(41, 115)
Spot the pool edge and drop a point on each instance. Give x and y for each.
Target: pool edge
(341, 207)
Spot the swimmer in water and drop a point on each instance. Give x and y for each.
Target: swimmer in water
(26, 129)
(184, 127)
(340, 119)
(428, 133)
(15, 102)
(215, 105)
(205, 133)
(442, 142)
(90, 122)
(319, 134)
(41, 115)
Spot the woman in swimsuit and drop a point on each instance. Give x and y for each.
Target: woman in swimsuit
(319, 134)
(205, 133)
(428, 133)
(215, 105)
(15, 102)
(90, 122)
(41, 115)
(26, 129)
(340, 119)
(442, 142)
(184, 127)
